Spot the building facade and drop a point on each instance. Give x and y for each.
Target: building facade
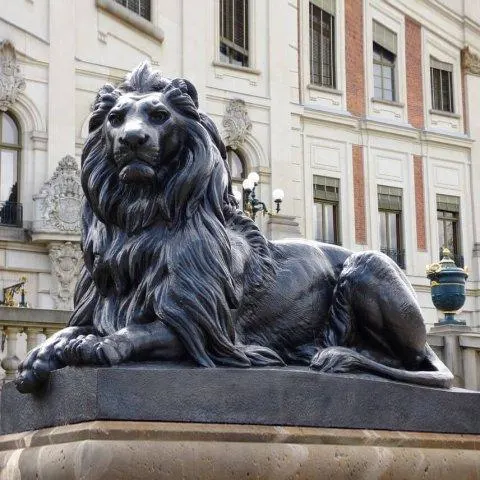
(365, 112)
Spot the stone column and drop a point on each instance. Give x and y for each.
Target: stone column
(11, 361)
(32, 337)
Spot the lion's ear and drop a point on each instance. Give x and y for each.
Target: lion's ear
(186, 87)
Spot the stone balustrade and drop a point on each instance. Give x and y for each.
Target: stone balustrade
(23, 329)
(459, 348)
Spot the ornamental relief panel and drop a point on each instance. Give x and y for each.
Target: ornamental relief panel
(58, 204)
(236, 123)
(66, 261)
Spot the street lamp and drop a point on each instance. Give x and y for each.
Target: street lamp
(252, 204)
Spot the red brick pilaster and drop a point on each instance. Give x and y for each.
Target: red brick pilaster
(359, 195)
(419, 202)
(354, 45)
(413, 54)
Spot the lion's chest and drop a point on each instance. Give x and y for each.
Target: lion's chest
(122, 263)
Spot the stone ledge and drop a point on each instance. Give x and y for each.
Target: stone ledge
(257, 396)
(154, 450)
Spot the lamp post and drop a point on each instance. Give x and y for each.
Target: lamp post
(251, 204)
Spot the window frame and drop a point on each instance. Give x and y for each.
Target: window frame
(442, 206)
(329, 198)
(229, 43)
(126, 3)
(439, 107)
(391, 206)
(18, 149)
(384, 45)
(332, 53)
(237, 181)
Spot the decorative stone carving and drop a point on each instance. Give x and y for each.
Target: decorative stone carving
(66, 261)
(12, 82)
(470, 62)
(58, 204)
(236, 123)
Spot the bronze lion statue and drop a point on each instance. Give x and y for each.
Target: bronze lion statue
(174, 271)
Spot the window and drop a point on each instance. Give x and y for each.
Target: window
(10, 209)
(448, 209)
(237, 170)
(322, 43)
(326, 199)
(390, 223)
(234, 32)
(140, 7)
(441, 85)
(384, 56)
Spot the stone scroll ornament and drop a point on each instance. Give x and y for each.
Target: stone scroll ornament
(12, 82)
(173, 271)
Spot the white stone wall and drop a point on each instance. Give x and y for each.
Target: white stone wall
(67, 49)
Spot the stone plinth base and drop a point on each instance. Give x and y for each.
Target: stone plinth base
(156, 450)
(258, 396)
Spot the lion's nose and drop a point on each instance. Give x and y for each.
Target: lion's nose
(133, 137)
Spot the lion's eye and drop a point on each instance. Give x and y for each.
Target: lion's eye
(159, 116)
(115, 119)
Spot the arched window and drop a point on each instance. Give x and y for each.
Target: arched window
(238, 171)
(10, 148)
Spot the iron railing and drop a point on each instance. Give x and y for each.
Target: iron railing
(11, 213)
(398, 256)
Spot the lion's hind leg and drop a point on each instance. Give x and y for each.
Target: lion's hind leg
(376, 325)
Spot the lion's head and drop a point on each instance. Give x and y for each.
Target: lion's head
(150, 153)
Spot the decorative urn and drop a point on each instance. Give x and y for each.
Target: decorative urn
(447, 282)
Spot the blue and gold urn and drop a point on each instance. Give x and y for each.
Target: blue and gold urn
(447, 282)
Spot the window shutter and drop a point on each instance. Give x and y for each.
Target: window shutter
(434, 63)
(326, 5)
(385, 37)
(389, 198)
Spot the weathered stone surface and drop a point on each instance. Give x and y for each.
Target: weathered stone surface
(268, 396)
(154, 450)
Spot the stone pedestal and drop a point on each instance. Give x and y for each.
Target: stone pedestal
(160, 421)
(156, 450)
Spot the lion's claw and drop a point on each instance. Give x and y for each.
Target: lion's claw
(93, 350)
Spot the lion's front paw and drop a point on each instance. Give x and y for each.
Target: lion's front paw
(93, 350)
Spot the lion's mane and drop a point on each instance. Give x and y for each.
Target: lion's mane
(161, 251)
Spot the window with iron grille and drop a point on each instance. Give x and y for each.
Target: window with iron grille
(441, 85)
(390, 223)
(10, 149)
(384, 62)
(326, 200)
(322, 43)
(234, 32)
(448, 220)
(140, 7)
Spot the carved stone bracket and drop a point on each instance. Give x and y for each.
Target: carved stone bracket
(236, 123)
(58, 204)
(470, 62)
(12, 82)
(66, 261)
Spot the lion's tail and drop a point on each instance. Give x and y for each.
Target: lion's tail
(345, 360)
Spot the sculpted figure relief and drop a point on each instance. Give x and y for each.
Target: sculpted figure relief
(174, 271)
